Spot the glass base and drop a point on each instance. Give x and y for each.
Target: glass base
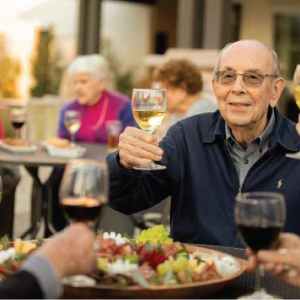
(260, 294)
(293, 155)
(150, 167)
(79, 281)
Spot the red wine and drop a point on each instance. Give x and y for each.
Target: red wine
(17, 125)
(258, 238)
(81, 211)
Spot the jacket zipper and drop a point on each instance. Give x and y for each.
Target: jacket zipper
(240, 187)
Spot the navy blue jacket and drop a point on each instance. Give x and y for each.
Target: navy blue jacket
(202, 180)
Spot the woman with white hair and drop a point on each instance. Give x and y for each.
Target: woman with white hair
(96, 104)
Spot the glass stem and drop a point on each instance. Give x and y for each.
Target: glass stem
(259, 278)
(18, 133)
(72, 139)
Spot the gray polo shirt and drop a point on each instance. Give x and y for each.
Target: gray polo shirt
(244, 159)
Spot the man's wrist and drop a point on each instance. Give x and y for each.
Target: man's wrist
(47, 277)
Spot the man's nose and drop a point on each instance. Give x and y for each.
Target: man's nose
(239, 86)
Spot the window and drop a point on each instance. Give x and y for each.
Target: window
(287, 43)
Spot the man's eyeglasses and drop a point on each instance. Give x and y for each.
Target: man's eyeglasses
(251, 79)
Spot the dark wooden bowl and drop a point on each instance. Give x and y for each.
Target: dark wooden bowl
(181, 291)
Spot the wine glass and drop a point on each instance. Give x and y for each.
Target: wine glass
(18, 118)
(149, 108)
(72, 121)
(84, 190)
(259, 217)
(296, 85)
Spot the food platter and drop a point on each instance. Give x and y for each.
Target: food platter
(18, 149)
(210, 260)
(191, 290)
(65, 151)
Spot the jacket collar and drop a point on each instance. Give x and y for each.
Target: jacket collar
(284, 132)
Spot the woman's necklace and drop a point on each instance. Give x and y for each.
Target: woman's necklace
(102, 115)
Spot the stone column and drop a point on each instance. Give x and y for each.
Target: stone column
(190, 23)
(89, 26)
(216, 29)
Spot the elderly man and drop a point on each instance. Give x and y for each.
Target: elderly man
(212, 157)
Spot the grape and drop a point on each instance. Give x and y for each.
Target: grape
(180, 264)
(164, 268)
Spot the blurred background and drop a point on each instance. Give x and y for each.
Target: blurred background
(39, 39)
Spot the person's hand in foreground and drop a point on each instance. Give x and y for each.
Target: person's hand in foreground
(71, 252)
(137, 148)
(283, 260)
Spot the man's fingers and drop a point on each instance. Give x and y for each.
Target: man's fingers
(290, 258)
(139, 134)
(139, 152)
(132, 161)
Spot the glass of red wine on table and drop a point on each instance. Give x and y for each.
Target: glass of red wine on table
(18, 118)
(259, 217)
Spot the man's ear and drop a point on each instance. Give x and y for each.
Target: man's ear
(213, 82)
(278, 86)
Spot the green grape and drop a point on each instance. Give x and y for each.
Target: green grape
(133, 259)
(183, 259)
(180, 264)
(164, 268)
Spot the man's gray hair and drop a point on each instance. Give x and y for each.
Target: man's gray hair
(94, 65)
(276, 63)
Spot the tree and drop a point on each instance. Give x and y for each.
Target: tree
(10, 70)
(123, 79)
(46, 68)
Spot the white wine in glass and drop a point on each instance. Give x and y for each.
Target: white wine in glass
(296, 85)
(72, 121)
(149, 107)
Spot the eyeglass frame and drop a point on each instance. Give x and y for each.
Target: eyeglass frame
(217, 75)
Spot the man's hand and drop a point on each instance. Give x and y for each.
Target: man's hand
(71, 252)
(286, 253)
(137, 147)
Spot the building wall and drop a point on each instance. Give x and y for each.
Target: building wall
(128, 27)
(164, 19)
(257, 20)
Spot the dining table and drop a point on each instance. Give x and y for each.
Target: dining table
(41, 195)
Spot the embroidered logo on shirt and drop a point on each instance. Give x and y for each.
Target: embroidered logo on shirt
(279, 184)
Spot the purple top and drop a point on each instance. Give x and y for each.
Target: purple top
(111, 106)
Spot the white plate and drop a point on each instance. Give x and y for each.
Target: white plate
(18, 149)
(65, 153)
